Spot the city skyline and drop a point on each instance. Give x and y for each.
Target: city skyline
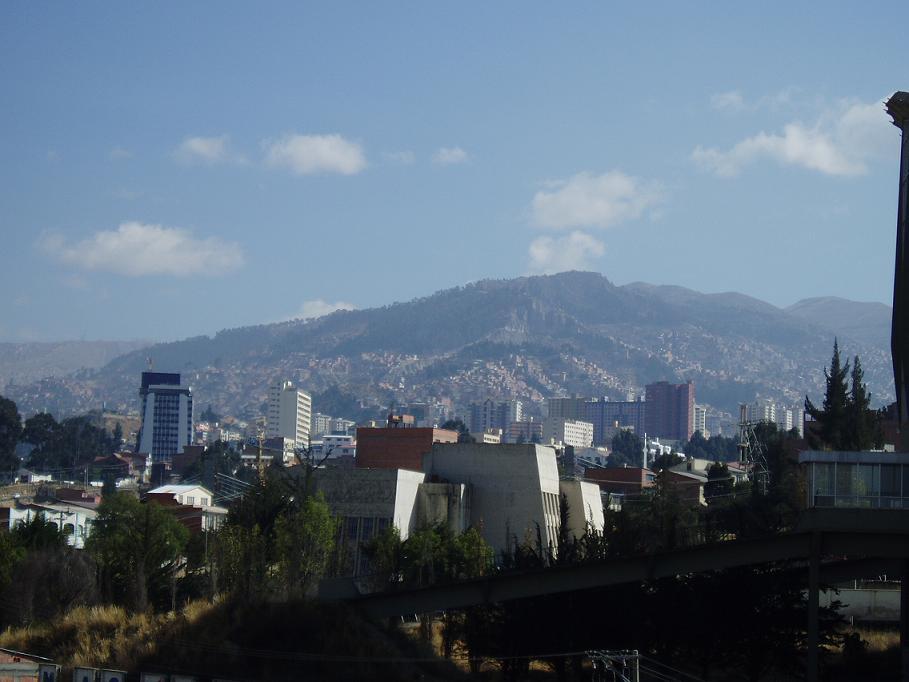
(214, 170)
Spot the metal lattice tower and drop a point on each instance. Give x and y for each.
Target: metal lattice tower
(751, 453)
(618, 665)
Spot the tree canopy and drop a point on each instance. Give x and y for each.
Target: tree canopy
(845, 420)
(627, 450)
(10, 430)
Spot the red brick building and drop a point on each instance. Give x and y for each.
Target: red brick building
(398, 447)
(629, 481)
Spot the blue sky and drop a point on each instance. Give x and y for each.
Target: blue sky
(173, 169)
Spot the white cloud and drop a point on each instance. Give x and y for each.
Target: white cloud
(403, 158)
(728, 101)
(448, 156)
(311, 154)
(840, 143)
(586, 200)
(136, 249)
(319, 307)
(575, 251)
(118, 153)
(208, 150)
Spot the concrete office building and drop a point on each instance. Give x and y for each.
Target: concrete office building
(610, 416)
(167, 416)
(525, 432)
(289, 413)
(670, 410)
(566, 408)
(367, 501)
(491, 416)
(513, 488)
(573, 432)
(505, 491)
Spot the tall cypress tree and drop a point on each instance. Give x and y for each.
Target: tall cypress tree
(834, 417)
(862, 424)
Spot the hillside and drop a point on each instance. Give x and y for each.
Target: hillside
(530, 337)
(866, 322)
(22, 363)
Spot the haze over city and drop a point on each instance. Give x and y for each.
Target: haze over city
(174, 170)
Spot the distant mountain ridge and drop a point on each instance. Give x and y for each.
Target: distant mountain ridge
(530, 337)
(866, 322)
(23, 363)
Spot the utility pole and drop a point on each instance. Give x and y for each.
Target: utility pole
(751, 452)
(621, 665)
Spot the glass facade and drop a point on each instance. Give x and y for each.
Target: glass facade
(873, 480)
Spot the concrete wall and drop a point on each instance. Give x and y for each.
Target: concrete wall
(585, 506)
(408, 485)
(444, 503)
(513, 488)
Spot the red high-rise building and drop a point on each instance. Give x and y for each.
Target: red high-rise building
(669, 411)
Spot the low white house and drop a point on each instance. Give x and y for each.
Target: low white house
(75, 521)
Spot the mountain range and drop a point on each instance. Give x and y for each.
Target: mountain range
(530, 337)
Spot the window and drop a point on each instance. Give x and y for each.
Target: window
(190, 500)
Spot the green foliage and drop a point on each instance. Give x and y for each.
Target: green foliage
(304, 542)
(209, 415)
(10, 554)
(719, 482)
(36, 533)
(665, 462)
(137, 548)
(459, 426)
(10, 430)
(428, 556)
(845, 421)
(67, 445)
(627, 450)
(716, 448)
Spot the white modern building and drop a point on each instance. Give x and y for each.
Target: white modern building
(504, 491)
(167, 416)
(700, 420)
(73, 520)
(573, 432)
(289, 413)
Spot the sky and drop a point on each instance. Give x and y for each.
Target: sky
(173, 169)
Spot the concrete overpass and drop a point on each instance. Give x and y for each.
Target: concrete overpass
(830, 544)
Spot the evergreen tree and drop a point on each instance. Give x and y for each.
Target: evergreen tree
(833, 418)
(862, 422)
(10, 429)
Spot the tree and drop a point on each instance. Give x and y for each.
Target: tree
(459, 426)
(118, 434)
(137, 548)
(65, 446)
(719, 482)
(846, 420)
(833, 416)
(627, 450)
(305, 540)
(863, 430)
(10, 429)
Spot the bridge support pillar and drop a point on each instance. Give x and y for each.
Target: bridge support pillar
(904, 621)
(814, 586)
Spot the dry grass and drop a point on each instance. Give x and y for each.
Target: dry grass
(878, 639)
(99, 635)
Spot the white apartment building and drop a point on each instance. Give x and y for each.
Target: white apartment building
(289, 413)
(700, 420)
(574, 432)
(763, 411)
